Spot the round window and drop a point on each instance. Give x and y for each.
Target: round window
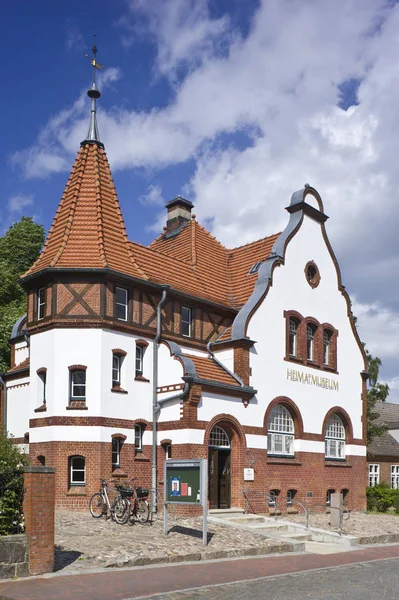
(312, 274)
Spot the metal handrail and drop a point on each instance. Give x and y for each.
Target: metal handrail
(272, 500)
(305, 508)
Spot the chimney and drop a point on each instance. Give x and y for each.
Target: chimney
(179, 213)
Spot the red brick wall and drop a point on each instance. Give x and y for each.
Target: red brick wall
(39, 517)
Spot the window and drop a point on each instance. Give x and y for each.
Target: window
(116, 369)
(121, 302)
(328, 497)
(77, 470)
(395, 477)
(219, 438)
(168, 451)
(138, 437)
(255, 268)
(273, 496)
(78, 385)
(293, 324)
(41, 460)
(41, 303)
(374, 475)
(280, 434)
(327, 347)
(310, 331)
(139, 360)
(186, 321)
(312, 274)
(290, 497)
(42, 383)
(116, 452)
(335, 438)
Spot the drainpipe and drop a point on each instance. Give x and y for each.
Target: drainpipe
(155, 405)
(3, 383)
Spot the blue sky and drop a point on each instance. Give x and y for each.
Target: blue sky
(233, 104)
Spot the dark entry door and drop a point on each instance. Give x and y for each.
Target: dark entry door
(219, 478)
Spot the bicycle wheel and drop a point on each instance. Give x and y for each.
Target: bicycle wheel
(97, 505)
(143, 511)
(120, 510)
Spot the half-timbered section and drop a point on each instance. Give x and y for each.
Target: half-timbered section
(246, 356)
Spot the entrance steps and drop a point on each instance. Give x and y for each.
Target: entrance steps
(318, 541)
(226, 513)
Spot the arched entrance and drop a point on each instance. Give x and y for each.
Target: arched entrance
(219, 467)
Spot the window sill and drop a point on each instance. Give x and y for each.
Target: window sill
(118, 474)
(294, 359)
(333, 462)
(77, 405)
(77, 491)
(329, 369)
(273, 459)
(41, 408)
(141, 378)
(141, 457)
(118, 390)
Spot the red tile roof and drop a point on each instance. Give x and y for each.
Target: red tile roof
(24, 365)
(208, 369)
(88, 232)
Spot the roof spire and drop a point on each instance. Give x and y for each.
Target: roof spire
(92, 135)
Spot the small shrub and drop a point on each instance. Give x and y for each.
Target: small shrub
(12, 461)
(381, 497)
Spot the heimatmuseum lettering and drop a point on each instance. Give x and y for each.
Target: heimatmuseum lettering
(323, 382)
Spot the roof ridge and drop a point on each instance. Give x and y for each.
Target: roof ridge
(208, 233)
(72, 209)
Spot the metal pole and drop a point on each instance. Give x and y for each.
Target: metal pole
(155, 405)
(204, 497)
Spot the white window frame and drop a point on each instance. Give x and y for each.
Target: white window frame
(186, 321)
(328, 496)
(327, 335)
(139, 360)
(116, 453)
(116, 369)
(291, 493)
(41, 303)
(138, 436)
(374, 474)
(280, 432)
(121, 304)
(42, 385)
(335, 438)
(168, 451)
(73, 384)
(292, 337)
(310, 333)
(395, 477)
(219, 438)
(72, 470)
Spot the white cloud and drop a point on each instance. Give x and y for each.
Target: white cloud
(74, 40)
(378, 326)
(16, 203)
(153, 196)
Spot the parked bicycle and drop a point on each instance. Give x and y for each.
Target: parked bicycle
(135, 503)
(101, 506)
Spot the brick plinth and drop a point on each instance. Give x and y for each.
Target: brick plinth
(39, 507)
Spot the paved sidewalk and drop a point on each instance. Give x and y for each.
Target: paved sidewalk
(131, 583)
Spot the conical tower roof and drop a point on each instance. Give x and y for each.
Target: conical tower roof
(88, 229)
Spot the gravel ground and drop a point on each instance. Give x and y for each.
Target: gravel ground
(86, 543)
(359, 523)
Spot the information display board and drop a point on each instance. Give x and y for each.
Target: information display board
(183, 482)
(186, 482)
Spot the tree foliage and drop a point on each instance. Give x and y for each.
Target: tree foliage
(19, 248)
(377, 392)
(12, 461)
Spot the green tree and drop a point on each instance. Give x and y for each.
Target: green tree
(377, 392)
(12, 461)
(19, 248)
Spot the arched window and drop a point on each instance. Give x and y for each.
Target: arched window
(335, 438)
(138, 437)
(280, 431)
(310, 333)
(77, 470)
(327, 354)
(328, 497)
(219, 438)
(293, 337)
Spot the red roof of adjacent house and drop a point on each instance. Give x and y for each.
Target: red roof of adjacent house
(88, 232)
(22, 366)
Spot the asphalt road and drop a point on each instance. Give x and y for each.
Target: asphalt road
(377, 580)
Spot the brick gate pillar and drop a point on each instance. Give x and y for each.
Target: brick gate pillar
(39, 502)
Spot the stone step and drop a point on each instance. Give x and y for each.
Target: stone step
(298, 537)
(245, 519)
(325, 548)
(278, 529)
(226, 513)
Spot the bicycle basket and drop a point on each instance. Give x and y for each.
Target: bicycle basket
(126, 492)
(142, 492)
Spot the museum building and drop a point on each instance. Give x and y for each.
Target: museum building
(130, 355)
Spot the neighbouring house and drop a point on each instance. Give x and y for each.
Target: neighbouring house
(383, 451)
(246, 356)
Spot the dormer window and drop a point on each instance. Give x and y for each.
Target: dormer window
(41, 303)
(255, 268)
(121, 303)
(186, 316)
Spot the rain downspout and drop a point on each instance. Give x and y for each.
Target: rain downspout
(155, 405)
(3, 383)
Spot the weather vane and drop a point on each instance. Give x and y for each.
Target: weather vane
(95, 64)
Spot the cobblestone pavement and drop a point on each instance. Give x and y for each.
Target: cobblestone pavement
(84, 543)
(365, 581)
(358, 524)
